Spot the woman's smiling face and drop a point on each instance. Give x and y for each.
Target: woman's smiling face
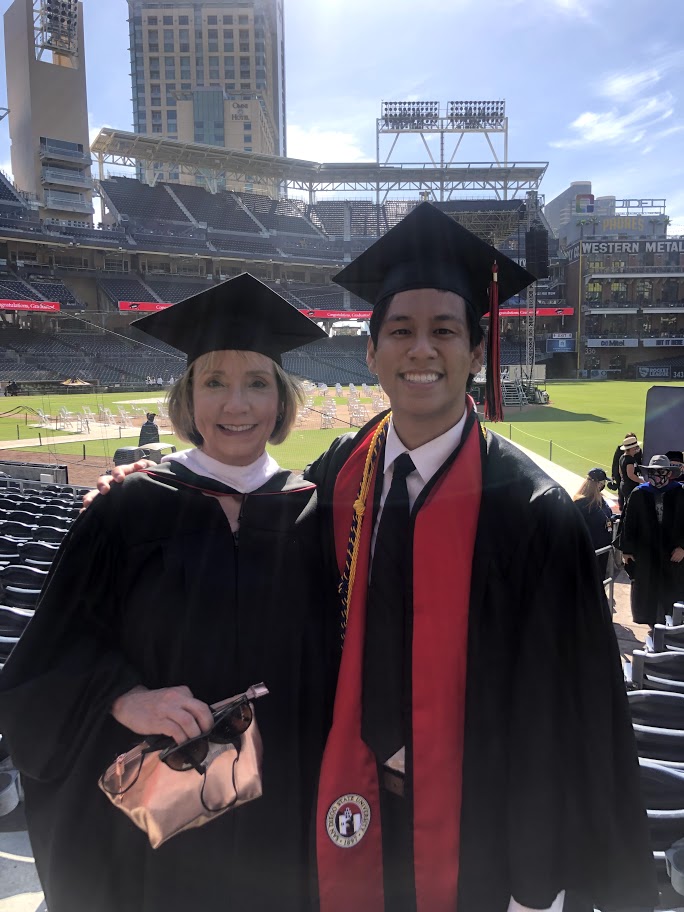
(235, 405)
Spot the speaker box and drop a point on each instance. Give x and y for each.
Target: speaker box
(537, 252)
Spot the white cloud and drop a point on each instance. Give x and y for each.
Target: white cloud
(571, 9)
(93, 132)
(613, 127)
(319, 145)
(624, 86)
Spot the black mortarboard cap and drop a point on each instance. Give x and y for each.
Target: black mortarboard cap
(241, 314)
(428, 249)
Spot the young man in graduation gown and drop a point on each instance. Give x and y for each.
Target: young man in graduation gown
(478, 657)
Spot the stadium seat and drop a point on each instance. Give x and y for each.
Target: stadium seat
(27, 517)
(21, 585)
(657, 708)
(678, 614)
(7, 644)
(37, 554)
(50, 534)
(14, 619)
(658, 671)
(663, 745)
(9, 551)
(665, 638)
(18, 531)
(662, 788)
(53, 519)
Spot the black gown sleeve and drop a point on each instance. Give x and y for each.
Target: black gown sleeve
(576, 821)
(59, 683)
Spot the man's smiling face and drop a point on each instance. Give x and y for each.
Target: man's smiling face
(423, 360)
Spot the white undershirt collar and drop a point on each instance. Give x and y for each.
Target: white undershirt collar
(244, 479)
(426, 458)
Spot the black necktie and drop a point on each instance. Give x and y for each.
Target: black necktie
(384, 655)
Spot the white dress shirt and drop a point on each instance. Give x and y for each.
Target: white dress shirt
(427, 459)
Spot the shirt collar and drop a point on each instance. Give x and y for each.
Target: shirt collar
(244, 479)
(431, 455)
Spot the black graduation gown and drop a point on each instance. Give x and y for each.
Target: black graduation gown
(550, 773)
(598, 519)
(149, 433)
(657, 582)
(149, 587)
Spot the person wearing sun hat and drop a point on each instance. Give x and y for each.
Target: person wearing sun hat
(184, 586)
(460, 728)
(652, 541)
(629, 478)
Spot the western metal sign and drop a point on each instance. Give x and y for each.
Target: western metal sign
(599, 248)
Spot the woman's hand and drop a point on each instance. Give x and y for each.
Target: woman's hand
(677, 555)
(627, 558)
(171, 711)
(104, 482)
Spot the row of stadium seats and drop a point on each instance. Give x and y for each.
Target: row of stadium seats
(657, 711)
(33, 521)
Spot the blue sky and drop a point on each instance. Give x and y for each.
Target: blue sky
(594, 87)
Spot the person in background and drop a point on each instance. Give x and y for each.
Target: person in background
(143, 624)
(631, 457)
(149, 432)
(597, 514)
(652, 542)
(676, 457)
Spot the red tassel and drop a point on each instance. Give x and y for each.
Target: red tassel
(493, 397)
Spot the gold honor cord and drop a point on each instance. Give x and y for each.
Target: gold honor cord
(346, 583)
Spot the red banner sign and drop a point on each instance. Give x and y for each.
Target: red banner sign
(146, 306)
(142, 305)
(30, 305)
(541, 311)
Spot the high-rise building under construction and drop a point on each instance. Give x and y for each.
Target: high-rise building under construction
(210, 72)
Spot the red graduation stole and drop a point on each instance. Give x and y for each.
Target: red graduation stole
(348, 825)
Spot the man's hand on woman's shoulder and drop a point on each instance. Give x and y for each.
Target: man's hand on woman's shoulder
(104, 482)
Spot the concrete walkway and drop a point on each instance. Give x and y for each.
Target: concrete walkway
(97, 431)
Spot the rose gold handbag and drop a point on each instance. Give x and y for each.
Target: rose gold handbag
(167, 788)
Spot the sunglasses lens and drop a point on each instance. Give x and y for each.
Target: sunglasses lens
(122, 774)
(236, 721)
(187, 756)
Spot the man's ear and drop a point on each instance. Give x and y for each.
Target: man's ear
(370, 356)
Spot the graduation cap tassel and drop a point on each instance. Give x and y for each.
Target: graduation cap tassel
(493, 398)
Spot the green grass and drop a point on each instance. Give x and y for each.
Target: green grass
(580, 427)
(583, 422)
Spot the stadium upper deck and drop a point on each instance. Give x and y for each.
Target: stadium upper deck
(163, 243)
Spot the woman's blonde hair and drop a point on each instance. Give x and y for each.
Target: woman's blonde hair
(590, 490)
(181, 411)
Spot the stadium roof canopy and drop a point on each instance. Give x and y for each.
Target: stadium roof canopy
(118, 147)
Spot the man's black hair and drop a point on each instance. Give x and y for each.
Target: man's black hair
(380, 312)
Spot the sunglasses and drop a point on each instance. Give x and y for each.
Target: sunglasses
(229, 723)
(231, 720)
(659, 473)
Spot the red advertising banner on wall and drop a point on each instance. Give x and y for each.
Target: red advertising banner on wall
(30, 305)
(142, 305)
(147, 306)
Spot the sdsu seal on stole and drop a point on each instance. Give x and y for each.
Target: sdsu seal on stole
(347, 820)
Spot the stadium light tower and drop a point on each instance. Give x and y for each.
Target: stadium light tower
(55, 27)
(457, 118)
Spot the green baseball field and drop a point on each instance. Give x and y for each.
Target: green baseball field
(578, 429)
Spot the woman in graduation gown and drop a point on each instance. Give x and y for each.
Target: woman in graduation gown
(185, 586)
